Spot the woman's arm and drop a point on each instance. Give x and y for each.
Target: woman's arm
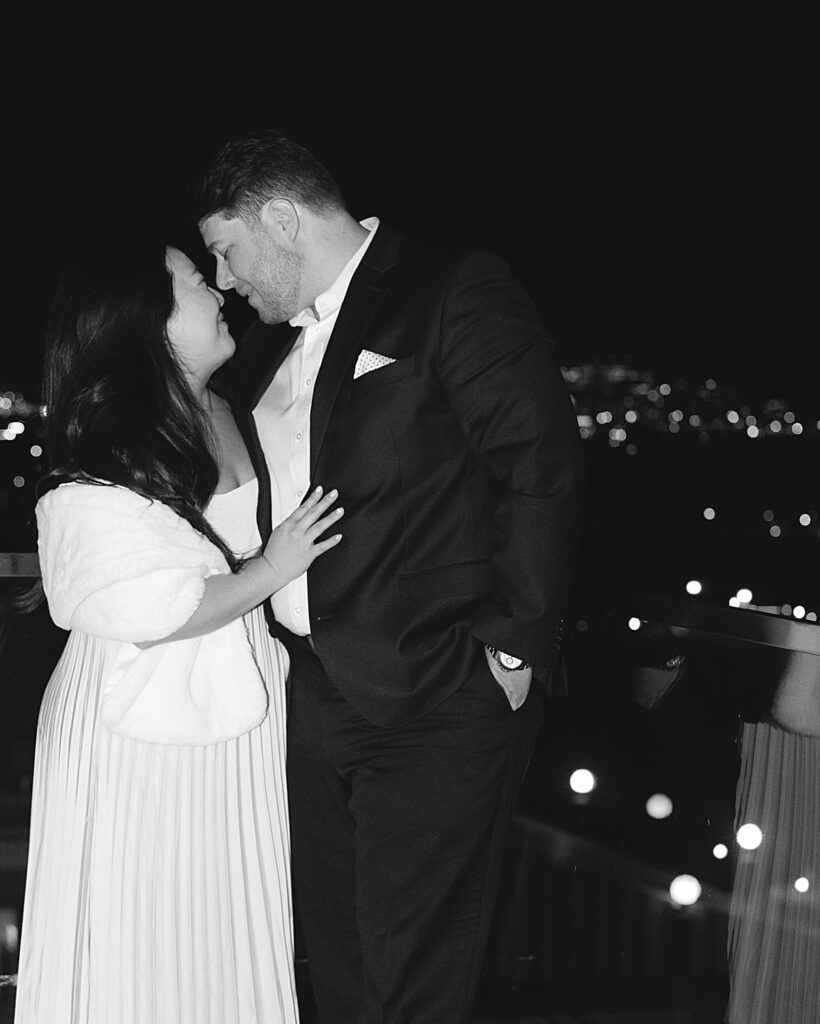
(292, 547)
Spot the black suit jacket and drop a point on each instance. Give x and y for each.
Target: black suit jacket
(459, 466)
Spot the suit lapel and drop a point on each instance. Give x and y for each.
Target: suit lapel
(247, 427)
(369, 283)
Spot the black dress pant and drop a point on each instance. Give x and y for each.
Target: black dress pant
(398, 839)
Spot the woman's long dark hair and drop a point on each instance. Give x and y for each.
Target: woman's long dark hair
(118, 408)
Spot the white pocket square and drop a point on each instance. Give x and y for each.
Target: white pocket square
(368, 361)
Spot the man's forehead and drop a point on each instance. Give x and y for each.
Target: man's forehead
(217, 227)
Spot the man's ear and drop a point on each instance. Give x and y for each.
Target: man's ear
(280, 219)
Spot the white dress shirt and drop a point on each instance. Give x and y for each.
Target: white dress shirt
(282, 420)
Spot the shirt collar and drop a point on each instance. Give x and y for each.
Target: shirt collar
(330, 301)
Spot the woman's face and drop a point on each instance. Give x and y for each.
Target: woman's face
(198, 335)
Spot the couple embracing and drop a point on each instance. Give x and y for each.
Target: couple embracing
(315, 593)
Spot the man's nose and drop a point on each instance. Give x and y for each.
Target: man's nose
(224, 278)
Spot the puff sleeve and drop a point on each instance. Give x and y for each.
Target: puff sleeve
(123, 568)
(119, 566)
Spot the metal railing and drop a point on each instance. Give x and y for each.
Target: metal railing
(747, 624)
(22, 565)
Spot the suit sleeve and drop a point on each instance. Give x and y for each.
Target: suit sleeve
(502, 379)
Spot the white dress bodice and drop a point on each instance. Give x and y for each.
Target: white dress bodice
(233, 515)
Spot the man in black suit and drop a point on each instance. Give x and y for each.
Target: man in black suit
(422, 385)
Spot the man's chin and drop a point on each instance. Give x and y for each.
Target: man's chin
(271, 317)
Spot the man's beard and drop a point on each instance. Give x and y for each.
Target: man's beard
(277, 275)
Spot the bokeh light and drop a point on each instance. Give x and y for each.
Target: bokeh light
(582, 781)
(685, 890)
(659, 806)
(749, 836)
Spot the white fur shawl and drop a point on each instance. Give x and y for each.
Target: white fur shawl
(118, 566)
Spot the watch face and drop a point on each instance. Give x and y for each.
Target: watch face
(509, 661)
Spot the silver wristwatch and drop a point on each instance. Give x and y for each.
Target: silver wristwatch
(506, 662)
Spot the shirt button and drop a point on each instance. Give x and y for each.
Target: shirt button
(298, 611)
(308, 381)
(299, 436)
(299, 494)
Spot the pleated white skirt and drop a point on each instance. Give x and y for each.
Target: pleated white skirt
(158, 884)
(774, 928)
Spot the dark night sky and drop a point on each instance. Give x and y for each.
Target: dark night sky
(657, 201)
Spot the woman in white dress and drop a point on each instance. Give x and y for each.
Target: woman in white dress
(158, 883)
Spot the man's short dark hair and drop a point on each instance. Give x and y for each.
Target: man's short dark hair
(248, 171)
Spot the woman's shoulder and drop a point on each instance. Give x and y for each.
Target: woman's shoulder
(85, 493)
(118, 524)
(99, 497)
